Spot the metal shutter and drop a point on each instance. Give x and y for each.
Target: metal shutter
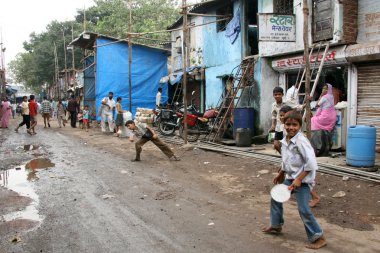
(323, 20)
(369, 97)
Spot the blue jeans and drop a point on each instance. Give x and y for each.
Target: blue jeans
(313, 230)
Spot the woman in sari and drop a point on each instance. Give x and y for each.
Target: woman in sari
(325, 118)
(6, 111)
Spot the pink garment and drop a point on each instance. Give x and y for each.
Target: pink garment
(6, 111)
(325, 118)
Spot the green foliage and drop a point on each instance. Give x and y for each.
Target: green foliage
(36, 66)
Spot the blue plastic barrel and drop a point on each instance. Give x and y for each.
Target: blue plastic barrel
(244, 118)
(361, 146)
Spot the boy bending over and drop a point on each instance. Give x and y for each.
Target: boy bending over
(147, 134)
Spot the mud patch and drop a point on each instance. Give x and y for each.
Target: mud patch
(163, 195)
(11, 227)
(39, 163)
(11, 201)
(21, 202)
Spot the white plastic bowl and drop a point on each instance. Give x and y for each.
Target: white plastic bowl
(280, 193)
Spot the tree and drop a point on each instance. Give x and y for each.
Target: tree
(109, 17)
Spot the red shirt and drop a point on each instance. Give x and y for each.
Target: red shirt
(33, 108)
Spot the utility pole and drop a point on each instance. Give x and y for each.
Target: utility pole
(130, 55)
(72, 49)
(307, 65)
(184, 64)
(64, 50)
(3, 90)
(56, 71)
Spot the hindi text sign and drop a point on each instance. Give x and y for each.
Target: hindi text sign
(273, 27)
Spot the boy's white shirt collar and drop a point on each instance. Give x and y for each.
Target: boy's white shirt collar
(292, 140)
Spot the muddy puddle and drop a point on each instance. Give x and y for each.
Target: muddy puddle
(20, 180)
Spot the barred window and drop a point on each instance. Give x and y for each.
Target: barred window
(283, 7)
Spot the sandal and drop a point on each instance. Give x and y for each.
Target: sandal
(271, 230)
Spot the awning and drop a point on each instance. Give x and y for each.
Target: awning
(176, 77)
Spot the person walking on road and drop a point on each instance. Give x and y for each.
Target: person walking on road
(6, 112)
(25, 114)
(33, 111)
(298, 171)
(147, 134)
(108, 104)
(46, 111)
(72, 107)
(61, 114)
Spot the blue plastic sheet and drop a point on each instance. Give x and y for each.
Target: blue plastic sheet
(148, 66)
(233, 27)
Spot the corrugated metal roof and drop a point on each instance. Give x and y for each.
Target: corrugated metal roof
(202, 8)
(87, 40)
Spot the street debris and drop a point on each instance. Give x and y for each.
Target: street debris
(16, 239)
(211, 224)
(206, 163)
(345, 178)
(262, 172)
(107, 196)
(123, 172)
(339, 194)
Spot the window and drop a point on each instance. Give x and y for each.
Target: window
(225, 11)
(323, 20)
(283, 7)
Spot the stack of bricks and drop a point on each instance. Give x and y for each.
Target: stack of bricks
(350, 21)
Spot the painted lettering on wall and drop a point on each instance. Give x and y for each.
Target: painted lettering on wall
(298, 61)
(274, 27)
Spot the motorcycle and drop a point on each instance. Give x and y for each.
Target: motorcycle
(197, 123)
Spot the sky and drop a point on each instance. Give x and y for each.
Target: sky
(19, 18)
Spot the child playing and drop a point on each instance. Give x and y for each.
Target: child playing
(299, 167)
(278, 93)
(80, 119)
(86, 118)
(148, 134)
(119, 116)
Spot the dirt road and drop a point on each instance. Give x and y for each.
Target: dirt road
(93, 199)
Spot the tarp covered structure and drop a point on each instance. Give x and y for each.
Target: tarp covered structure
(107, 71)
(148, 66)
(89, 83)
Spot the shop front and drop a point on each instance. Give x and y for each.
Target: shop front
(365, 99)
(336, 71)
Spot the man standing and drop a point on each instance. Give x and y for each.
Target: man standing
(33, 111)
(25, 114)
(72, 108)
(158, 97)
(46, 111)
(147, 134)
(108, 105)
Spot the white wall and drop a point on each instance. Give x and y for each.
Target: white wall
(268, 48)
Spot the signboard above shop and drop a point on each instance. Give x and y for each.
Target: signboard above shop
(335, 56)
(277, 27)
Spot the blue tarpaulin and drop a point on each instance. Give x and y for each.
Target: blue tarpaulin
(89, 83)
(148, 66)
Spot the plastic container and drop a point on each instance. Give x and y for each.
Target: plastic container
(361, 146)
(244, 118)
(243, 137)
